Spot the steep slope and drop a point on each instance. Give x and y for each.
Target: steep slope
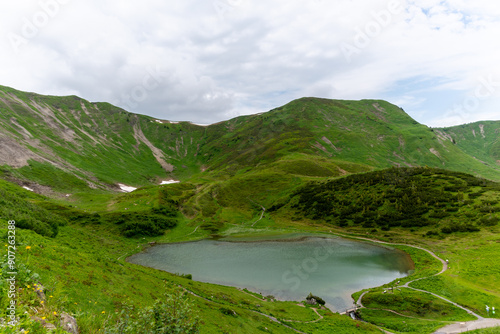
(481, 140)
(372, 133)
(69, 143)
(276, 172)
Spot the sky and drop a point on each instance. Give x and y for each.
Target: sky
(208, 61)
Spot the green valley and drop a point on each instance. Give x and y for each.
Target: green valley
(355, 169)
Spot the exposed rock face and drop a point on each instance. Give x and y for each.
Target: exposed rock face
(68, 323)
(13, 154)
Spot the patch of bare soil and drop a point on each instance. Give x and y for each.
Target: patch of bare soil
(158, 154)
(13, 154)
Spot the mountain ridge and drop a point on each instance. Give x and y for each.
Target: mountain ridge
(97, 145)
(311, 166)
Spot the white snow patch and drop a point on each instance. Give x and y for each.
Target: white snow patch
(126, 188)
(172, 122)
(28, 188)
(169, 182)
(158, 121)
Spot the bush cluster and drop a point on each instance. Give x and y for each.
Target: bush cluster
(406, 197)
(28, 215)
(319, 300)
(151, 222)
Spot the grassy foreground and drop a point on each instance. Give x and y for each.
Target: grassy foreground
(78, 256)
(83, 273)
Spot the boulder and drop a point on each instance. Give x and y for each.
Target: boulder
(311, 301)
(68, 323)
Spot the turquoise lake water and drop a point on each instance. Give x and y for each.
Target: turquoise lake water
(290, 268)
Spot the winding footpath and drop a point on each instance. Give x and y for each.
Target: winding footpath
(455, 328)
(261, 216)
(194, 230)
(460, 327)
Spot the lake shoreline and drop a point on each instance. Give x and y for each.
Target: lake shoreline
(338, 280)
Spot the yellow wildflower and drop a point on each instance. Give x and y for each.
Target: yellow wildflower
(50, 296)
(28, 247)
(41, 302)
(55, 313)
(43, 318)
(103, 312)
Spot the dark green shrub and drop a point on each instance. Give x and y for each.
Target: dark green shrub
(459, 227)
(28, 215)
(319, 300)
(391, 197)
(228, 312)
(431, 233)
(490, 220)
(153, 222)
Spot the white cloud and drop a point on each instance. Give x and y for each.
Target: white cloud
(222, 58)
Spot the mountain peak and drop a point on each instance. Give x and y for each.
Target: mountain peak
(69, 143)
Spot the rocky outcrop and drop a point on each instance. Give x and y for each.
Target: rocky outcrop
(68, 323)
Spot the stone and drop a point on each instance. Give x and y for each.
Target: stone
(68, 323)
(311, 301)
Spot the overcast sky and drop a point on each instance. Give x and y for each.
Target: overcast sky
(207, 61)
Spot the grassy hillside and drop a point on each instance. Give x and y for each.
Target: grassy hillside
(350, 168)
(67, 145)
(19, 203)
(481, 140)
(84, 273)
(366, 132)
(70, 144)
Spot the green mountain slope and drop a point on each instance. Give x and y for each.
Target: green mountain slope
(69, 144)
(367, 132)
(481, 140)
(275, 173)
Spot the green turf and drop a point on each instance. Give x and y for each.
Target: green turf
(289, 170)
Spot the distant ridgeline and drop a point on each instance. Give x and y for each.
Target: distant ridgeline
(293, 158)
(67, 144)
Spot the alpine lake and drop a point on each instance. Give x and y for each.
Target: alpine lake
(287, 267)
